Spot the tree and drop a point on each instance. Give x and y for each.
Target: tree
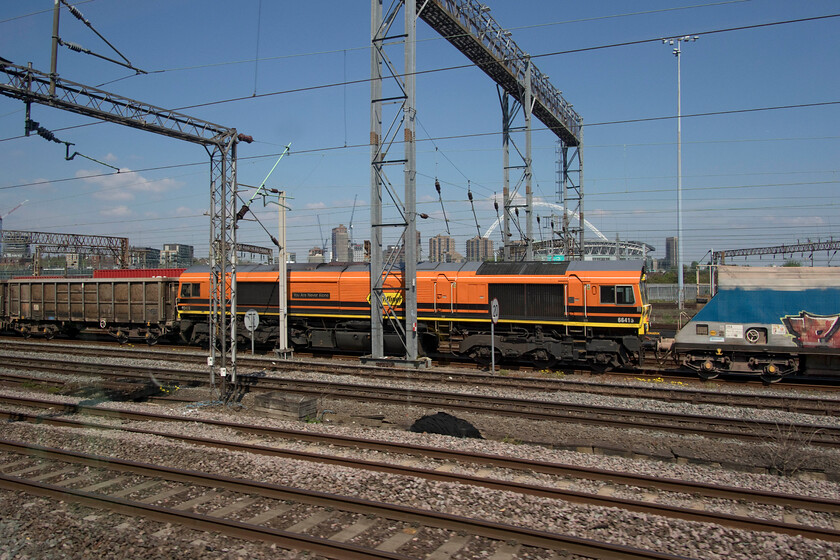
(792, 263)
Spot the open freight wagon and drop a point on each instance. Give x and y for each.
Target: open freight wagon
(122, 307)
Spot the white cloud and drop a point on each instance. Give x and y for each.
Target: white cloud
(125, 185)
(315, 205)
(187, 211)
(796, 221)
(121, 211)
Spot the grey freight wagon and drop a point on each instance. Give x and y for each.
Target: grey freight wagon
(122, 307)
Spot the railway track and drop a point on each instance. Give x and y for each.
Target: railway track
(741, 495)
(534, 409)
(660, 390)
(109, 483)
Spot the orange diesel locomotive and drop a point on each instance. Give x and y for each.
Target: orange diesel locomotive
(572, 313)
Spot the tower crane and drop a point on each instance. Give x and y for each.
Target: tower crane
(321, 233)
(352, 213)
(1, 223)
(13, 209)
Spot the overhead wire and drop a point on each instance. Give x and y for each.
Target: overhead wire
(588, 124)
(470, 65)
(449, 137)
(437, 38)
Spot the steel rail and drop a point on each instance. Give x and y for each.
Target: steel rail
(492, 530)
(694, 424)
(797, 403)
(556, 469)
(687, 514)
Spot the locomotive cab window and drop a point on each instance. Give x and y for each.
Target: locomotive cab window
(618, 295)
(190, 290)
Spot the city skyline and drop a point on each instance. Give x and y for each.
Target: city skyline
(743, 106)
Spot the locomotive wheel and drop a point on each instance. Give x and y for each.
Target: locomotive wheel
(541, 359)
(482, 356)
(545, 363)
(601, 363)
(598, 367)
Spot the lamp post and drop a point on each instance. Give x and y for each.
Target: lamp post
(676, 42)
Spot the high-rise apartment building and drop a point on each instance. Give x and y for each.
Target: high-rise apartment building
(479, 249)
(340, 244)
(144, 257)
(439, 247)
(671, 252)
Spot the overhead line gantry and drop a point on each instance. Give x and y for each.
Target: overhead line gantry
(719, 257)
(468, 26)
(45, 242)
(32, 86)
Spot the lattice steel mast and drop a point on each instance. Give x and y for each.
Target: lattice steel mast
(384, 301)
(32, 86)
(468, 25)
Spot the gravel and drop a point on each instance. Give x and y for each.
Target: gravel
(50, 529)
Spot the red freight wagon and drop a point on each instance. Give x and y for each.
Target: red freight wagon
(138, 273)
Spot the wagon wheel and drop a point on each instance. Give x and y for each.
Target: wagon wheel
(151, 339)
(706, 375)
(122, 338)
(706, 369)
(771, 374)
(49, 334)
(26, 333)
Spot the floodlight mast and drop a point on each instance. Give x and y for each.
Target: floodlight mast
(676, 42)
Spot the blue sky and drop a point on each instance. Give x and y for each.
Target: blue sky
(750, 179)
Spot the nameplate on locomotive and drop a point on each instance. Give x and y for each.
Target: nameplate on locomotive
(311, 295)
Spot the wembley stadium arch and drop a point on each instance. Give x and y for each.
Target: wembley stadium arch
(594, 249)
